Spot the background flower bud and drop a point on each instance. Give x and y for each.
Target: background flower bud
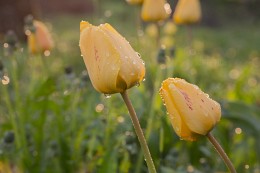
(187, 12)
(155, 10)
(112, 63)
(191, 111)
(40, 40)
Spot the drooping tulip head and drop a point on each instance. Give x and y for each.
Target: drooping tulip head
(155, 10)
(40, 39)
(192, 113)
(187, 12)
(111, 62)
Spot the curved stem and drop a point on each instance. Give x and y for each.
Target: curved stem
(139, 133)
(222, 153)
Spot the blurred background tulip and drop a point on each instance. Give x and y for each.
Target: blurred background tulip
(187, 12)
(39, 38)
(155, 10)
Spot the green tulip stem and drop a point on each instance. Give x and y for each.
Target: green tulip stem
(221, 152)
(139, 133)
(158, 38)
(189, 36)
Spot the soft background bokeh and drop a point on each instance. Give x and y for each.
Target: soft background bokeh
(53, 121)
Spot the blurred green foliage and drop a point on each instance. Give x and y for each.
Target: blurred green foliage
(52, 120)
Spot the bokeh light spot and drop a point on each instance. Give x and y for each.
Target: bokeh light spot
(100, 107)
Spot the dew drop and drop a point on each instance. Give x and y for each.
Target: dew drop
(144, 79)
(81, 55)
(107, 96)
(5, 80)
(143, 62)
(138, 54)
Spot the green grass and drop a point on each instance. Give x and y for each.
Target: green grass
(61, 124)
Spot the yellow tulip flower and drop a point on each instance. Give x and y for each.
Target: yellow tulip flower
(155, 10)
(192, 113)
(187, 12)
(112, 63)
(134, 2)
(40, 40)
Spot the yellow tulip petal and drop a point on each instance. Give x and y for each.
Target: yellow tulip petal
(176, 120)
(83, 25)
(103, 66)
(132, 69)
(32, 45)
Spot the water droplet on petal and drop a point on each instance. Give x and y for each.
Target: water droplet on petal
(137, 84)
(138, 54)
(144, 79)
(107, 96)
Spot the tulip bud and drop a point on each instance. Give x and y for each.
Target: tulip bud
(192, 113)
(111, 62)
(134, 2)
(187, 12)
(169, 28)
(155, 10)
(40, 40)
